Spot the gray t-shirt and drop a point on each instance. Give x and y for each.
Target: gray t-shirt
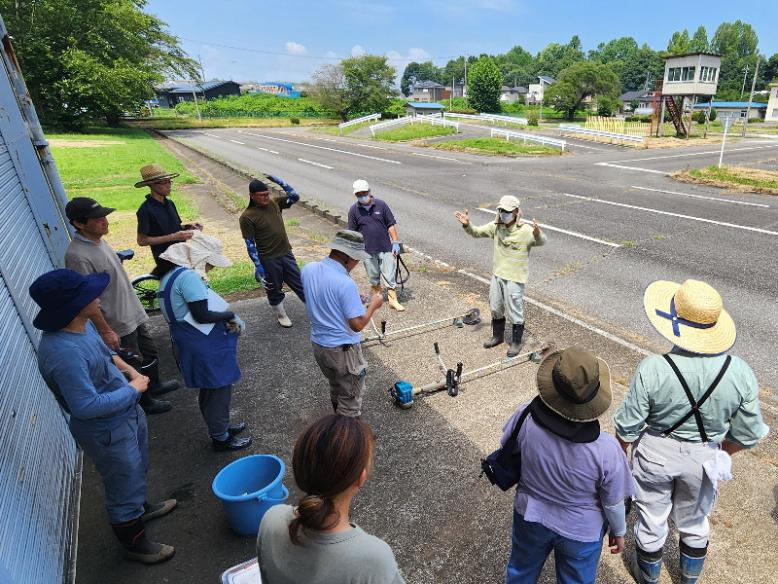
(120, 305)
(347, 557)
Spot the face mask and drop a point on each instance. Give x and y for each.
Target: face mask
(506, 217)
(364, 200)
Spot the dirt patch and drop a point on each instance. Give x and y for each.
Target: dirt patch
(747, 174)
(60, 143)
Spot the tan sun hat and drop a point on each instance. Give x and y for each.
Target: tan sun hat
(152, 173)
(575, 383)
(509, 203)
(196, 253)
(690, 315)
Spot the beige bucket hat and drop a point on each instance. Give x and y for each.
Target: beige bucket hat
(690, 315)
(352, 243)
(575, 383)
(152, 173)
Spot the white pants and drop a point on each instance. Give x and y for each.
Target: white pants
(669, 478)
(506, 300)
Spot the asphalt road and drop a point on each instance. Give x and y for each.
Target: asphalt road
(615, 220)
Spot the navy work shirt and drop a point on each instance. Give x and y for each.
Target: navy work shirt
(155, 219)
(373, 223)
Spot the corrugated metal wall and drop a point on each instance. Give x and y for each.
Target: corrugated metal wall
(39, 461)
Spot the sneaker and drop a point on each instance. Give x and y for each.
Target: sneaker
(154, 510)
(149, 552)
(235, 429)
(232, 443)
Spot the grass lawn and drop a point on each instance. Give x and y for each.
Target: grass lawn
(182, 122)
(496, 147)
(414, 132)
(733, 177)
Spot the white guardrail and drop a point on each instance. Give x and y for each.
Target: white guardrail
(489, 118)
(389, 123)
(576, 129)
(359, 120)
(508, 134)
(435, 120)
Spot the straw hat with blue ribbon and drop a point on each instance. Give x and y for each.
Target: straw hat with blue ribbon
(690, 315)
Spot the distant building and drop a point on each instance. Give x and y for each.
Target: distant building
(771, 114)
(422, 108)
(512, 94)
(279, 88)
(171, 94)
(429, 91)
(644, 98)
(737, 109)
(536, 91)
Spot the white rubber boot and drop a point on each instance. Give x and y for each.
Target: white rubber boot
(283, 319)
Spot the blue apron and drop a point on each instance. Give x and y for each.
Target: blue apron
(206, 361)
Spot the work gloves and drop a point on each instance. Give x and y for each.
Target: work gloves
(291, 195)
(396, 248)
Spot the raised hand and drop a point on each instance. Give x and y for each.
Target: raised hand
(535, 228)
(463, 217)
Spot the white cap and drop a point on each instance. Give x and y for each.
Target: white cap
(360, 186)
(509, 203)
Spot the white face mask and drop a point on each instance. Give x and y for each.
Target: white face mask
(506, 217)
(364, 200)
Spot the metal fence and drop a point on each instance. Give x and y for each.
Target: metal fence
(545, 140)
(436, 121)
(356, 121)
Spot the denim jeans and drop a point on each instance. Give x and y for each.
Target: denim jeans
(280, 271)
(576, 561)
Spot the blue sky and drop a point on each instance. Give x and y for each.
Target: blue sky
(287, 40)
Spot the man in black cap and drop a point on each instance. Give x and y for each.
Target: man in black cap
(100, 391)
(122, 322)
(263, 230)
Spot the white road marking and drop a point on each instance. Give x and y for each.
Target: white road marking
(559, 313)
(631, 167)
(238, 142)
(266, 150)
(576, 145)
(213, 135)
(322, 147)
(702, 197)
(319, 164)
(699, 153)
(679, 215)
(433, 156)
(565, 231)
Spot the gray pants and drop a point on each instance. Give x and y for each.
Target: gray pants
(215, 407)
(380, 269)
(345, 368)
(506, 300)
(669, 478)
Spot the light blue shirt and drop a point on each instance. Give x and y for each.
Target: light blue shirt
(331, 299)
(656, 400)
(188, 287)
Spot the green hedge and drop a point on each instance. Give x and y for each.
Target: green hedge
(256, 105)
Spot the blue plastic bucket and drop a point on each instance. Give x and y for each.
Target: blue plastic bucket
(248, 487)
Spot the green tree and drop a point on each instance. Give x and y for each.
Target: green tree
(699, 42)
(484, 82)
(419, 72)
(356, 85)
(737, 44)
(770, 69)
(642, 70)
(621, 55)
(555, 57)
(579, 81)
(517, 67)
(680, 43)
(91, 59)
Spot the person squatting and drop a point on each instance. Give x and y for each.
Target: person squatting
(685, 414)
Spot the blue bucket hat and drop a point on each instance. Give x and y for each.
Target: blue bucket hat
(62, 294)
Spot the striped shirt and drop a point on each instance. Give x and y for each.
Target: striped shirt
(511, 248)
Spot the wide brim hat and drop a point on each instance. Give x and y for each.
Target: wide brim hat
(195, 253)
(62, 294)
(575, 384)
(690, 315)
(351, 243)
(152, 173)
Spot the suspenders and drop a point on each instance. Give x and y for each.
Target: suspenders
(695, 411)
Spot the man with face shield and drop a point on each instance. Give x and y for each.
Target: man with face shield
(512, 242)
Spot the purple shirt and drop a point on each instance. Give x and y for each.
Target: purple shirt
(564, 484)
(373, 223)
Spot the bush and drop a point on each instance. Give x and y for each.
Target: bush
(532, 119)
(397, 107)
(713, 115)
(257, 105)
(699, 117)
(463, 110)
(607, 106)
(640, 118)
(294, 121)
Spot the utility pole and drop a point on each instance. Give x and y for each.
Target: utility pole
(464, 87)
(751, 97)
(202, 71)
(745, 74)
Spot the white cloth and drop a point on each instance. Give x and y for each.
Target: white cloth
(718, 468)
(196, 253)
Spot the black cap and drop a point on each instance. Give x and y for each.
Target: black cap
(257, 186)
(80, 208)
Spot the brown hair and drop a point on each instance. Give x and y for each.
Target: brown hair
(328, 458)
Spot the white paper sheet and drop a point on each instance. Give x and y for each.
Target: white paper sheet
(215, 303)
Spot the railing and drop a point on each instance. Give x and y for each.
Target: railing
(576, 129)
(436, 121)
(356, 121)
(545, 140)
(463, 116)
(389, 123)
(492, 118)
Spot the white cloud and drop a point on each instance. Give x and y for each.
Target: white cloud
(294, 48)
(400, 61)
(358, 51)
(331, 55)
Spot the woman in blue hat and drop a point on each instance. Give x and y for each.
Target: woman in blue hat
(101, 393)
(204, 331)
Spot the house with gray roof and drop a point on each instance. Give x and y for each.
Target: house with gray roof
(173, 93)
(429, 91)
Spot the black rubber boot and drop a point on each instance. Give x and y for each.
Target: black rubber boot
(154, 406)
(516, 335)
(156, 385)
(498, 333)
(137, 547)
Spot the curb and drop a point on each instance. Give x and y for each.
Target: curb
(325, 214)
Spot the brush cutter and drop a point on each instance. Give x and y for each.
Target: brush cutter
(471, 317)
